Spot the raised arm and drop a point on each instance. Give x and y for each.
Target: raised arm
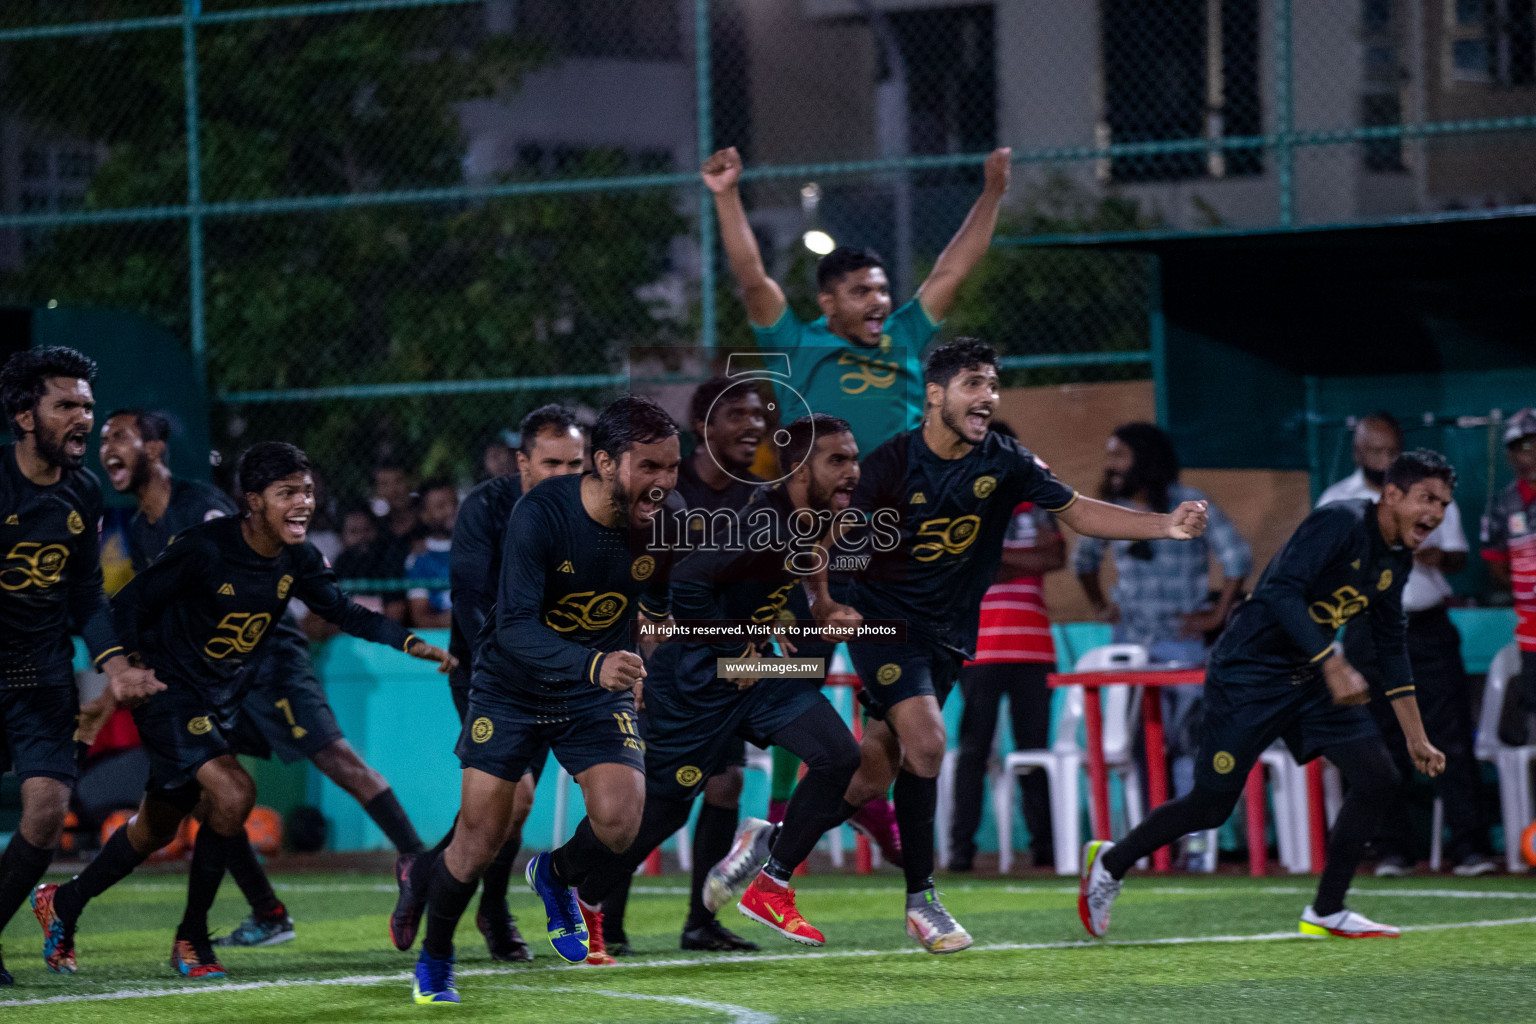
(970, 243)
(763, 296)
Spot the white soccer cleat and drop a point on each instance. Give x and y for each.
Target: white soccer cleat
(1346, 924)
(1097, 889)
(934, 927)
(735, 871)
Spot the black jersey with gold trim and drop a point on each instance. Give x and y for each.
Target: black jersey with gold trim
(204, 608)
(569, 592)
(952, 515)
(1336, 566)
(50, 576)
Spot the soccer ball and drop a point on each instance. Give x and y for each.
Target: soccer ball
(1528, 844)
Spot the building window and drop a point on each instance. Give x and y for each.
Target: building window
(1381, 101)
(951, 66)
(1491, 42)
(1190, 72)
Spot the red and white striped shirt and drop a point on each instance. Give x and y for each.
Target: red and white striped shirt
(1509, 535)
(1014, 623)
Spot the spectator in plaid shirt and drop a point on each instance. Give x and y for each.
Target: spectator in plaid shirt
(1161, 598)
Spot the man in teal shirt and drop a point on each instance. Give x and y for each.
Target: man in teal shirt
(860, 360)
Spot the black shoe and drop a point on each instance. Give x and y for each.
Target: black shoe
(618, 947)
(409, 906)
(5, 975)
(961, 864)
(714, 937)
(502, 938)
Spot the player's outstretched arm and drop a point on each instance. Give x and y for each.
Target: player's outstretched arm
(970, 243)
(1094, 518)
(763, 296)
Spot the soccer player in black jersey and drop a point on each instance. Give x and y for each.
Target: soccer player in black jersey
(199, 615)
(694, 719)
(552, 444)
(285, 710)
(50, 510)
(952, 485)
(556, 665)
(729, 420)
(1276, 674)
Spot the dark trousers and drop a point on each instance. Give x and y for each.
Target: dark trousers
(982, 688)
(1445, 705)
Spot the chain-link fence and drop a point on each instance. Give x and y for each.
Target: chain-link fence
(387, 228)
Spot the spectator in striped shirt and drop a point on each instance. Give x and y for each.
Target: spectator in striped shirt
(1013, 655)
(1162, 594)
(1509, 548)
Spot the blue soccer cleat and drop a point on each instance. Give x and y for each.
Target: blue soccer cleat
(433, 982)
(567, 931)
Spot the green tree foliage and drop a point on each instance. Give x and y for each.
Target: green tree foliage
(333, 106)
(1027, 300)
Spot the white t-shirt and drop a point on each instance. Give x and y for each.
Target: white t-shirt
(1426, 587)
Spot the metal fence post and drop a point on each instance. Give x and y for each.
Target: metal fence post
(190, 10)
(703, 85)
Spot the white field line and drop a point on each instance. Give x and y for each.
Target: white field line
(738, 1014)
(895, 887)
(400, 978)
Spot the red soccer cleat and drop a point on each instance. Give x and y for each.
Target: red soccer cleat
(773, 904)
(597, 949)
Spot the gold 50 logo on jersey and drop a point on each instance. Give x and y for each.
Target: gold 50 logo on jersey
(1346, 604)
(239, 633)
(946, 537)
(772, 610)
(586, 610)
(33, 565)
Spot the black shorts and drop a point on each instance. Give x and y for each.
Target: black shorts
(892, 673)
(460, 694)
(37, 732)
(182, 730)
(285, 711)
(685, 745)
(1242, 717)
(506, 737)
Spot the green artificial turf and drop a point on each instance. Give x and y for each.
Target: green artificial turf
(1032, 961)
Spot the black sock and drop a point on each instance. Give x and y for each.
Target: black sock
(210, 855)
(21, 868)
(572, 861)
(115, 862)
(712, 836)
(447, 899)
(1372, 779)
(442, 844)
(386, 812)
(917, 798)
(815, 808)
(498, 873)
(615, 908)
(248, 875)
(421, 872)
(1195, 811)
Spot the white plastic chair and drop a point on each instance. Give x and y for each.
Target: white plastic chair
(1288, 785)
(1513, 763)
(1063, 760)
